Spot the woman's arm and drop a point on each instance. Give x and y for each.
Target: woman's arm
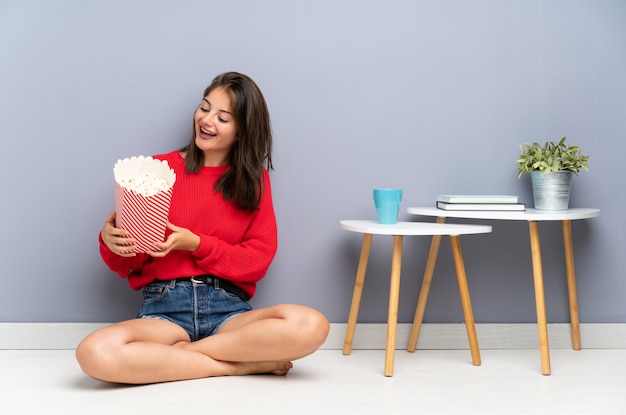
(116, 249)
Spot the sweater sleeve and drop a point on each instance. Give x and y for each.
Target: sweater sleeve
(248, 260)
(123, 266)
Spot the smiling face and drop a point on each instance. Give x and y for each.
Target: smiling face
(215, 127)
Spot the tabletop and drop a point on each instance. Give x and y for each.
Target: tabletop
(412, 228)
(528, 214)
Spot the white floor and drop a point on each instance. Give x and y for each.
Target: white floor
(590, 381)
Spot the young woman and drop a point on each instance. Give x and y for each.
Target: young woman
(195, 320)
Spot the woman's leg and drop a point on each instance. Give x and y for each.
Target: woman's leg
(141, 351)
(280, 333)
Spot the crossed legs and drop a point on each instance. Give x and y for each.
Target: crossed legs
(151, 350)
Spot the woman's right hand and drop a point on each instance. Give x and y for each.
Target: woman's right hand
(116, 239)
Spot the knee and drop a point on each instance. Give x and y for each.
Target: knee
(312, 328)
(91, 355)
(321, 327)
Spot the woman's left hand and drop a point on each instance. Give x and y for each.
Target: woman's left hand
(180, 239)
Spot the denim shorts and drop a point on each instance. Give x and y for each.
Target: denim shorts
(198, 308)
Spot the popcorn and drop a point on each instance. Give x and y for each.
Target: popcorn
(146, 184)
(143, 192)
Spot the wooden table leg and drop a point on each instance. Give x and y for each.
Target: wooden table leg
(465, 299)
(394, 293)
(423, 297)
(358, 290)
(540, 300)
(571, 284)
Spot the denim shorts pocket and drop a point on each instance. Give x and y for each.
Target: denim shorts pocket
(227, 295)
(154, 292)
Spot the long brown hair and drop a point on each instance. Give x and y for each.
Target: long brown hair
(252, 152)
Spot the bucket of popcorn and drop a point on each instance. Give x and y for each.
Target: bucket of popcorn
(143, 192)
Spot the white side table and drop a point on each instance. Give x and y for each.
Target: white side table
(533, 217)
(398, 231)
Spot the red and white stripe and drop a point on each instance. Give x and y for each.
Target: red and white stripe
(144, 217)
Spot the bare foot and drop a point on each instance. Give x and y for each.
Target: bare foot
(247, 368)
(255, 368)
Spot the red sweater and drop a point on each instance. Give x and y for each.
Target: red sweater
(236, 245)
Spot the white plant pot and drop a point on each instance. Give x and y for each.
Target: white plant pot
(551, 191)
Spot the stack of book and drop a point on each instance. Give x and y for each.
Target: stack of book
(479, 202)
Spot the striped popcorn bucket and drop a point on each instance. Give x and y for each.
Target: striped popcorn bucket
(143, 192)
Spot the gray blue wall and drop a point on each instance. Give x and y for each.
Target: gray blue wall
(430, 96)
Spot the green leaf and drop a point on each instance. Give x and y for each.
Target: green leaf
(551, 156)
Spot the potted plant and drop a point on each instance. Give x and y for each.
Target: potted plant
(551, 166)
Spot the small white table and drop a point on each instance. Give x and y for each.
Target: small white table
(533, 217)
(398, 230)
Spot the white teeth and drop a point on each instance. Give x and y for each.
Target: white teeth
(205, 131)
